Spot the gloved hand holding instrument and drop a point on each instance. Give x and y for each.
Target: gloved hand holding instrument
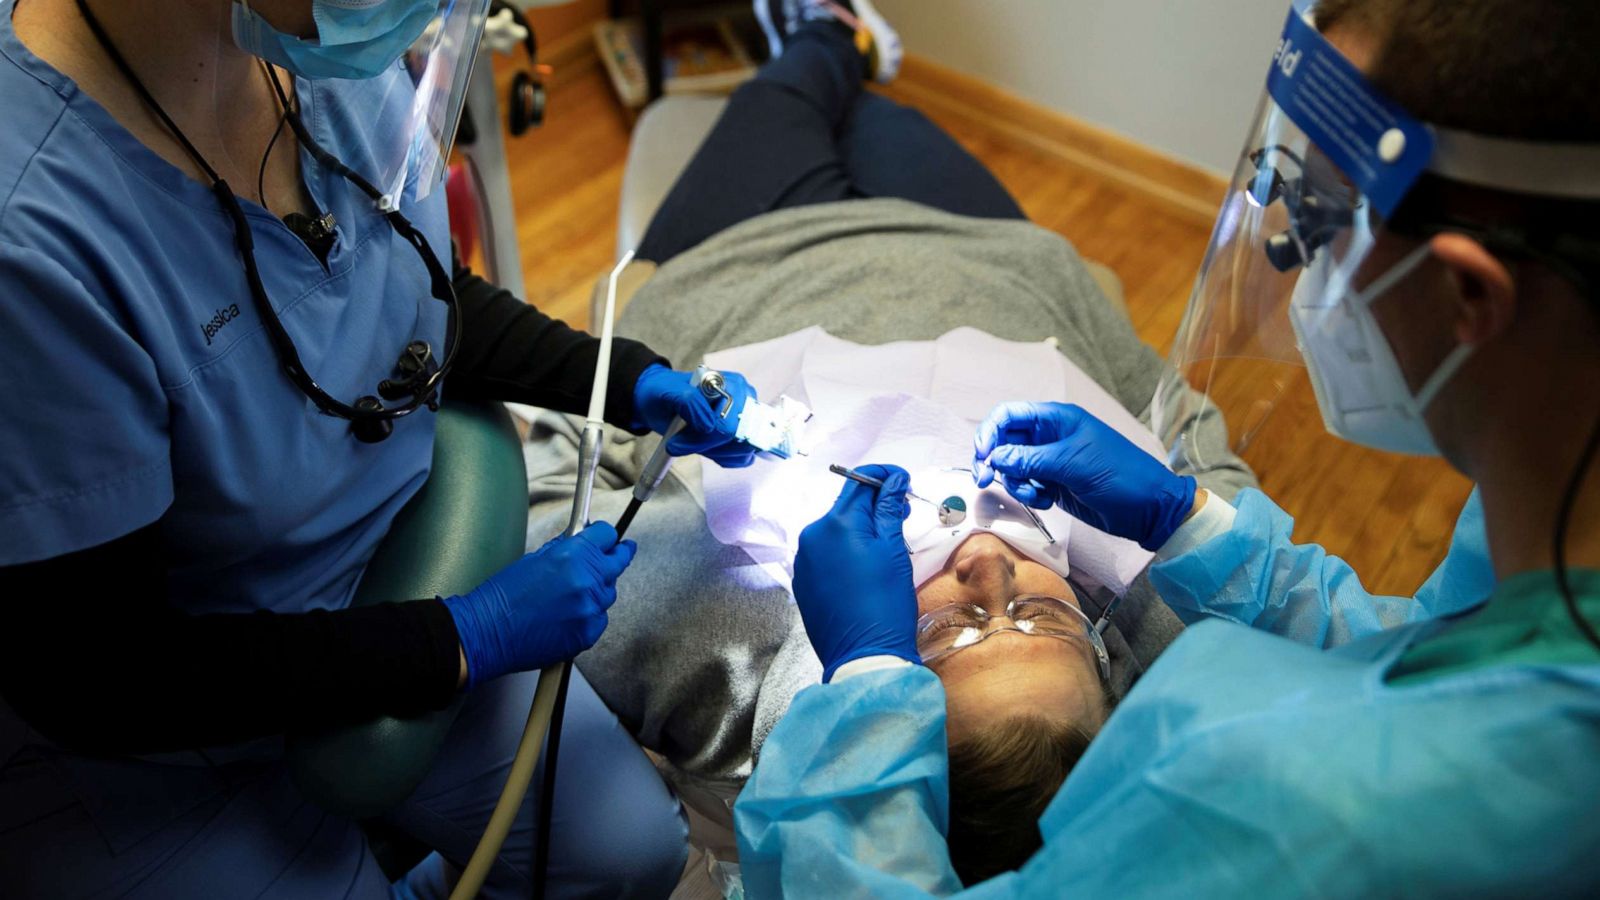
(852, 576)
(694, 413)
(545, 608)
(1060, 454)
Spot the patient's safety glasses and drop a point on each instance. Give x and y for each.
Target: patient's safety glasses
(961, 625)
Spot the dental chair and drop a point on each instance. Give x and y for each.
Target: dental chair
(469, 521)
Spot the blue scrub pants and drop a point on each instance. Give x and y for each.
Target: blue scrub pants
(803, 131)
(617, 831)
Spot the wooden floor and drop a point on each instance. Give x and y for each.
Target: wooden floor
(1392, 519)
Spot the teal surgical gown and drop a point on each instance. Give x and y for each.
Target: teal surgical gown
(1381, 751)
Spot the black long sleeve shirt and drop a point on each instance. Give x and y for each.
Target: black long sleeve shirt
(94, 658)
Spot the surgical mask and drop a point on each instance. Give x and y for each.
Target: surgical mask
(1359, 385)
(355, 38)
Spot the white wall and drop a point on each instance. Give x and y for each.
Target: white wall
(1182, 76)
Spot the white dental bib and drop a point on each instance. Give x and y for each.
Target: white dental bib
(913, 404)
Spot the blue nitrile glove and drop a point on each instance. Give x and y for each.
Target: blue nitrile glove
(852, 577)
(545, 608)
(1059, 453)
(662, 394)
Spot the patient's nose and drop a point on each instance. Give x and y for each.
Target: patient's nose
(987, 572)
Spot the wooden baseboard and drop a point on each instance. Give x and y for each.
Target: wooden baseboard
(1191, 191)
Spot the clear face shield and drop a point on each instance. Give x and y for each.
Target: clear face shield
(415, 58)
(1289, 273)
(1285, 311)
(413, 154)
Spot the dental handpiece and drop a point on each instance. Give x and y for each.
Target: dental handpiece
(588, 466)
(714, 388)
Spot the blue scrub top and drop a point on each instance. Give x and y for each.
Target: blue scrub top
(140, 384)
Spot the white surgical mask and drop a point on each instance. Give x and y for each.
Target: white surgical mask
(1360, 387)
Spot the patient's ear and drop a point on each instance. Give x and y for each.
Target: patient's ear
(1484, 293)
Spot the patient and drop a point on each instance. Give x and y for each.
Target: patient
(812, 204)
(1007, 675)
(1020, 710)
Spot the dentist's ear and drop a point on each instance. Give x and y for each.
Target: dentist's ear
(1485, 290)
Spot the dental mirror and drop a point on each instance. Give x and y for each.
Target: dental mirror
(952, 512)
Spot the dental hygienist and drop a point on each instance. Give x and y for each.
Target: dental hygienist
(1417, 214)
(227, 312)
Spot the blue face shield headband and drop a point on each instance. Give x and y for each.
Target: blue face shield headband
(355, 38)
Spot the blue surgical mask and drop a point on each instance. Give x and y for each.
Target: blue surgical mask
(355, 38)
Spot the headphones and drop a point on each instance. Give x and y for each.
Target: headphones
(528, 99)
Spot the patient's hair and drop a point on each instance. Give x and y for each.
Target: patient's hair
(1001, 779)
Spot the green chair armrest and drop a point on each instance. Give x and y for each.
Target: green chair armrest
(468, 522)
